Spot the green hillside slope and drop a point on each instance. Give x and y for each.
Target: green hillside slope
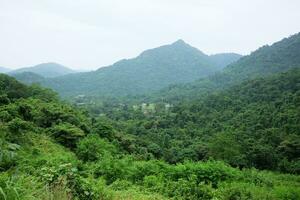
(253, 124)
(50, 150)
(279, 57)
(152, 70)
(46, 70)
(28, 77)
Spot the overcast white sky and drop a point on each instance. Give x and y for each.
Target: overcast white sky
(87, 34)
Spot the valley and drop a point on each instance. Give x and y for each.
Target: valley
(172, 123)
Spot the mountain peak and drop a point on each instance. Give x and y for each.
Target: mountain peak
(50, 65)
(179, 46)
(180, 42)
(49, 69)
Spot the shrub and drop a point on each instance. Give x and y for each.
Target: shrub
(8, 191)
(17, 126)
(121, 185)
(5, 116)
(8, 154)
(112, 169)
(188, 189)
(104, 130)
(66, 134)
(4, 100)
(67, 176)
(287, 193)
(93, 148)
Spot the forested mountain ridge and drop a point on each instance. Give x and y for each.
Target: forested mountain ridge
(152, 70)
(267, 60)
(280, 56)
(224, 59)
(253, 124)
(47, 70)
(50, 150)
(28, 77)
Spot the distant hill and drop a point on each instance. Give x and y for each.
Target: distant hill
(224, 59)
(48, 70)
(260, 113)
(28, 77)
(267, 60)
(281, 56)
(4, 70)
(152, 70)
(44, 141)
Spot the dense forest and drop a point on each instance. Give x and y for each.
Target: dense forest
(150, 100)
(152, 70)
(233, 135)
(267, 60)
(46, 70)
(50, 150)
(253, 124)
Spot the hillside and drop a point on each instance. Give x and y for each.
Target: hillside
(253, 124)
(152, 70)
(50, 150)
(47, 70)
(224, 59)
(267, 60)
(28, 77)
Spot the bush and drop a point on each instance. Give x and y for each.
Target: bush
(66, 134)
(210, 172)
(121, 185)
(287, 193)
(8, 190)
(5, 116)
(238, 191)
(67, 176)
(93, 148)
(113, 169)
(18, 126)
(104, 130)
(188, 189)
(4, 99)
(8, 154)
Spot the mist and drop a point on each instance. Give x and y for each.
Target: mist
(86, 35)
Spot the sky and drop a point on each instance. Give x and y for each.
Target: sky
(88, 34)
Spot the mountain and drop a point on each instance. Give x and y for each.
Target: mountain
(152, 70)
(267, 60)
(281, 56)
(48, 70)
(51, 149)
(4, 70)
(247, 124)
(28, 77)
(224, 59)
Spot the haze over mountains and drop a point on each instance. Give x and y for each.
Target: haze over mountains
(152, 70)
(267, 60)
(173, 71)
(48, 70)
(216, 115)
(172, 122)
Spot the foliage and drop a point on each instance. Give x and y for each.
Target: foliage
(51, 150)
(152, 70)
(253, 124)
(93, 148)
(66, 134)
(268, 60)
